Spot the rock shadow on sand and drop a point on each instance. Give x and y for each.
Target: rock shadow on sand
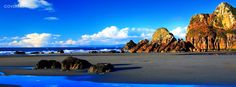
(121, 64)
(125, 68)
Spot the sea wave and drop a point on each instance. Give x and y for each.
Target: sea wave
(66, 51)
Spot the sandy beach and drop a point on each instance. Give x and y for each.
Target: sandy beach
(138, 68)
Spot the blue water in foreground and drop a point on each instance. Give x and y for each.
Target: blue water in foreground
(63, 81)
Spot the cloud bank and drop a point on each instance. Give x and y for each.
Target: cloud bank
(114, 35)
(111, 32)
(32, 40)
(108, 36)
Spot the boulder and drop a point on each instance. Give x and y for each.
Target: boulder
(73, 63)
(48, 64)
(60, 51)
(101, 68)
(37, 53)
(54, 64)
(93, 52)
(113, 51)
(19, 52)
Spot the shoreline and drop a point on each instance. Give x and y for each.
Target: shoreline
(139, 68)
(125, 54)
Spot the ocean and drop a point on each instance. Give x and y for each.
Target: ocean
(67, 50)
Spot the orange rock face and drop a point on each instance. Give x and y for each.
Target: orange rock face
(128, 46)
(162, 41)
(216, 31)
(206, 32)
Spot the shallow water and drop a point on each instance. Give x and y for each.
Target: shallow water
(63, 81)
(17, 67)
(70, 81)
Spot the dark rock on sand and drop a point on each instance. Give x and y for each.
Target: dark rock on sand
(60, 51)
(48, 64)
(101, 68)
(113, 51)
(19, 52)
(93, 51)
(51, 53)
(73, 63)
(54, 64)
(37, 53)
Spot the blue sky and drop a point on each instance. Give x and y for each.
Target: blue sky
(37, 23)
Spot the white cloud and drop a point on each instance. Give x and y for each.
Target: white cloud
(114, 35)
(179, 32)
(51, 18)
(37, 40)
(111, 32)
(70, 42)
(108, 36)
(67, 42)
(145, 33)
(33, 4)
(32, 40)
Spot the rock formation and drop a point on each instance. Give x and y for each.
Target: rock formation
(128, 46)
(72, 63)
(101, 68)
(216, 31)
(206, 32)
(48, 64)
(60, 51)
(19, 52)
(162, 41)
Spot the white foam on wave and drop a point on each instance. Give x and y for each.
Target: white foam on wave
(6, 52)
(65, 51)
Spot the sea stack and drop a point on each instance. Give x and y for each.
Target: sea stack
(216, 31)
(162, 41)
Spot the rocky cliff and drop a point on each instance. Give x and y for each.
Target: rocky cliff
(216, 31)
(162, 41)
(206, 32)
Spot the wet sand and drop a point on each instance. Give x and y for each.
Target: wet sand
(140, 68)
